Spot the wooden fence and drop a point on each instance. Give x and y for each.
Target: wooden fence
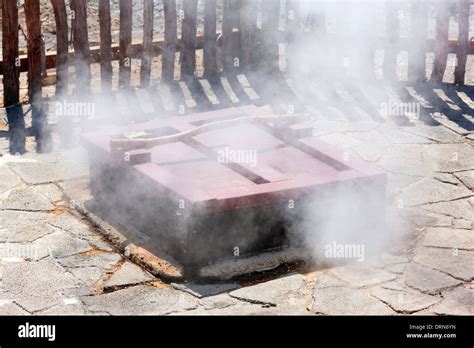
(252, 32)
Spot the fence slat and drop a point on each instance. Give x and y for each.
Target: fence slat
(270, 28)
(248, 33)
(463, 40)
(35, 43)
(293, 29)
(188, 48)
(125, 40)
(81, 46)
(11, 82)
(393, 36)
(441, 42)
(230, 26)
(60, 15)
(419, 31)
(169, 46)
(210, 37)
(105, 45)
(145, 70)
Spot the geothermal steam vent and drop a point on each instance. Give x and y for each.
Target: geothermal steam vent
(223, 184)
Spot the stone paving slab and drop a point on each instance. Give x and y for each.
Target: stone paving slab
(459, 301)
(205, 290)
(128, 274)
(278, 292)
(457, 263)
(347, 301)
(141, 300)
(361, 275)
(449, 238)
(428, 280)
(404, 301)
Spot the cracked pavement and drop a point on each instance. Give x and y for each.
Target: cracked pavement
(54, 261)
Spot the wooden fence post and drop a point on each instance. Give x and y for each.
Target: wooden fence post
(125, 40)
(169, 46)
(210, 37)
(248, 34)
(270, 29)
(393, 35)
(419, 31)
(81, 47)
(62, 47)
(145, 70)
(35, 42)
(105, 46)
(188, 33)
(463, 42)
(441, 42)
(11, 73)
(231, 27)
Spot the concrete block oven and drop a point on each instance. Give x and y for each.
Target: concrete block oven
(229, 192)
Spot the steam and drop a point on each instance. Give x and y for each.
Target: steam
(341, 46)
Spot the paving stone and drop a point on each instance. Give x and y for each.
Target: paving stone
(458, 263)
(463, 224)
(13, 218)
(8, 307)
(76, 227)
(61, 244)
(325, 281)
(467, 178)
(101, 260)
(128, 274)
(69, 309)
(428, 280)
(390, 259)
(446, 178)
(19, 252)
(396, 182)
(34, 173)
(219, 301)
(396, 285)
(25, 234)
(369, 152)
(406, 159)
(87, 275)
(275, 292)
(450, 158)
(404, 301)
(360, 275)
(140, 300)
(205, 290)
(50, 191)
(437, 133)
(397, 136)
(460, 209)
(420, 217)
(397, 268)
(459, 301)
(36, 285)
(449, 238)
(26, 199)
(347, 301)
(430, 190)
(9, 179)
(340, 139)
